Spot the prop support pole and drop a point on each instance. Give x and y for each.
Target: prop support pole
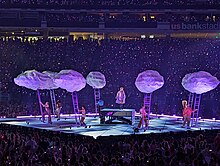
(39, 100)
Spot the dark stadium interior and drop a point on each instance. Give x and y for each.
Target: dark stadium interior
(120, 39)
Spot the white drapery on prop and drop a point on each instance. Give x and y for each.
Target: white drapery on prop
(147, 82)
(198, 83)
(97, 81)
(72, 81)
(69, 80)
(34, 80)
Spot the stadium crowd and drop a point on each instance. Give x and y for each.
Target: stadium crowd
(120, 61)
(125, 20)
(23, 146)
(107, 3)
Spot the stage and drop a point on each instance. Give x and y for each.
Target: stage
(158, 124)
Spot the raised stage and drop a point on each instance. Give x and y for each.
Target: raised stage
(158, 124)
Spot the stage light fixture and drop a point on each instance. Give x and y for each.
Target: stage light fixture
(152, 17)
(143, 36)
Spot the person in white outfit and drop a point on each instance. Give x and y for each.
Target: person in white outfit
(120, 97)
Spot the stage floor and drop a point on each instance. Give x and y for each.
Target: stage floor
(160, 124)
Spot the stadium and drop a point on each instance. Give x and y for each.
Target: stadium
(126, 82)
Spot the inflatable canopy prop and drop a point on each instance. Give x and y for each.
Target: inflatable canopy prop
(34, 80)
(96, 80)
(149, 81)
(199, 82)
(70, 80)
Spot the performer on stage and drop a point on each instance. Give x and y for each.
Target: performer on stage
(58, 109)
(143, 117)
(187, 111)
(120, 97)
(47, 111)
(83, 111)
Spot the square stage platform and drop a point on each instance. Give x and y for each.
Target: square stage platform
(158, 124)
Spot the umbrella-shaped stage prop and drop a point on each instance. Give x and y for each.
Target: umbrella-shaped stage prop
(198, 83)
(97, 81)
(72, 81)
(34, 80)
(147, 82)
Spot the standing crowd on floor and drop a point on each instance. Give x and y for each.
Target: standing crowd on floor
(22, 146)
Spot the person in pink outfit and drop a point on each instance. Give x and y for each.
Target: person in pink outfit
(187, 112)
(83, 116)
(143, 119)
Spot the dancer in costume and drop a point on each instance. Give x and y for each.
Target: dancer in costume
(143, 120)
(187, 112)
(46, 112)
(58, 109)
(83, 116)
(120, 97)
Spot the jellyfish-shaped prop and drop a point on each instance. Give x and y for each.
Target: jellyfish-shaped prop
(198, 83)
(52, 87)
(34, 80)
(73, 82)
(97, 81)
(147, 82)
